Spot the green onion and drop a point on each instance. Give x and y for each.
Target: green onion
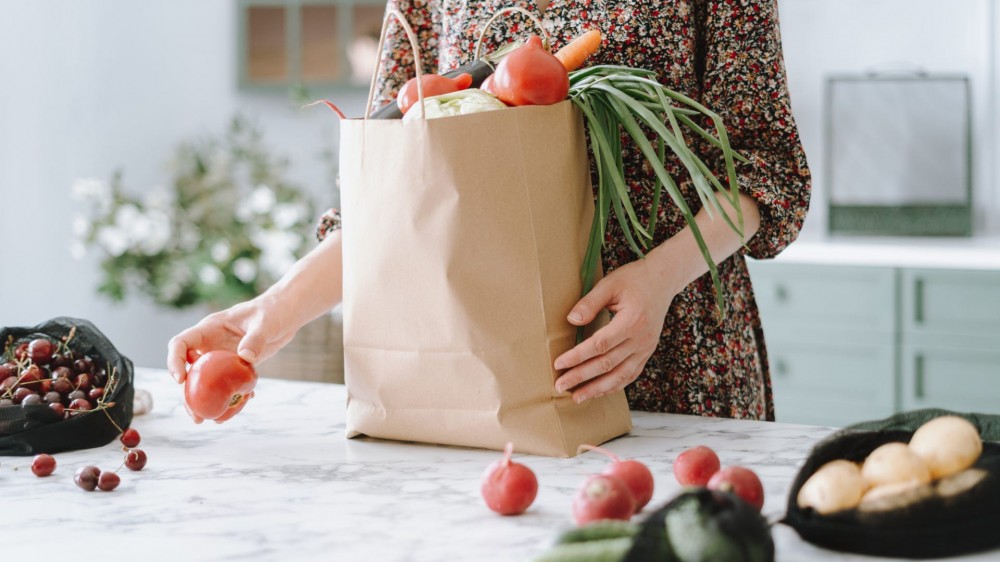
(617, 98)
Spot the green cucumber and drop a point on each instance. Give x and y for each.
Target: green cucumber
(607, 550)
(599, 530)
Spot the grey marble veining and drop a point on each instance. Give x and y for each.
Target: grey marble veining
(280, 482)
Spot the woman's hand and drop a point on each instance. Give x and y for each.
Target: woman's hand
(254, 329)
(615, 355)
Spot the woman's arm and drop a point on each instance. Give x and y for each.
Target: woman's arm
(640, 294)
(258, 328)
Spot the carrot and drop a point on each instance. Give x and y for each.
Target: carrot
(578, 50)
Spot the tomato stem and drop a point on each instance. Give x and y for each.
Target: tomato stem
(586, 447)
(236, 399)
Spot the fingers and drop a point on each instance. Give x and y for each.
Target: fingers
(603, 340)
(592, 368)
(617, 379)
(179, 350)
(591, 304)
(252, 345)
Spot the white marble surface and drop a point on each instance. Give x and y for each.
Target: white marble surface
(280, 482)
(951, 253)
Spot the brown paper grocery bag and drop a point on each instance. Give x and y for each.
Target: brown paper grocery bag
(463, 239)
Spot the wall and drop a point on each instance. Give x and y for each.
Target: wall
(89, 86)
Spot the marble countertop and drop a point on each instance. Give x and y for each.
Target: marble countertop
(280, 482)
(982, 253)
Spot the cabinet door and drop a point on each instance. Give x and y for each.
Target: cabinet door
(831, 383)
(954, 378)
(951, 308)
(855, 299)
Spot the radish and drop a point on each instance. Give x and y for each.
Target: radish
(695, 466)
(509, 487)
(739, 481)
(602, 497)
(633, 473)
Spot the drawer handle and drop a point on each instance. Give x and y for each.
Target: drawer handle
(781, 368)
(918, 376)
(781, 293)
(918, 301)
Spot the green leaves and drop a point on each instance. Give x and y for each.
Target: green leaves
(617, 99)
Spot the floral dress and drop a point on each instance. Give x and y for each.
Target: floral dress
(726, 54)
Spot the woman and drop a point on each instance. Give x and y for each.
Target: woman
(667, 345)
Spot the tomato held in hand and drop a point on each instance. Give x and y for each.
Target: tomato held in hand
(218, 385)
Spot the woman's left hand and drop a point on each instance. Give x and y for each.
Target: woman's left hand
(615, 355)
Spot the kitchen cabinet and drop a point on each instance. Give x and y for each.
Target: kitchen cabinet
(849, 343)
(281, 482)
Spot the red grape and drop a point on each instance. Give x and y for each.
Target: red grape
(130, 438)
(86, 477)
(108, 481)
(135, 459)
(43, 465)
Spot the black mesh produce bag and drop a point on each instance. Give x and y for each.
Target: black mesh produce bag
(29, 430)
(932, 528)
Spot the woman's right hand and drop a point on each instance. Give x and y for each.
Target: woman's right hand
(254, 329)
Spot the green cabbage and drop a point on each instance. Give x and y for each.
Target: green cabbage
(462, 102)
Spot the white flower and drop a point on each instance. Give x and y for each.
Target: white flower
(77, 250)
(210, 275)
(262, 200)
(188, 237)
(81, 226)
(113, 240)
(158, 198)
(218, 167)
(286, 215)
(94, 190)
(277, 250)
(245, 270)
(221, 251)
(157, 233)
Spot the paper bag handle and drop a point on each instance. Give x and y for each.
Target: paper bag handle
(389, 14)
(489, 23)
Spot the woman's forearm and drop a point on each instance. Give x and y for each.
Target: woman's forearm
(313, 285)
(680, 260)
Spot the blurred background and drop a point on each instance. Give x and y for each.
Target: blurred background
(115, 113)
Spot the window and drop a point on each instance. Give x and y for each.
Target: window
(301, 43)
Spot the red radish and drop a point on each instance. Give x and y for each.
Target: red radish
(603, 497)
(739, 481)
(509, 487)
(695, 466)
(633, 473)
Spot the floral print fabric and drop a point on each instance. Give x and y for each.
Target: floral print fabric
(726, 54)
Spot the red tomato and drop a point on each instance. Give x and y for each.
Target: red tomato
(218, 385)
(739, 481)
(695, 466)
(530, 75)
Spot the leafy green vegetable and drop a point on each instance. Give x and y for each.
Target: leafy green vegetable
(617, 98)
(472, 100)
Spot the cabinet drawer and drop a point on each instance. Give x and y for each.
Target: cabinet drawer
(831, 384)
(851, 298)
(947, 303)
(960, 379)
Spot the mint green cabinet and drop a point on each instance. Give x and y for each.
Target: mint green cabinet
(830, 333)
(951, 340)
(848, 344)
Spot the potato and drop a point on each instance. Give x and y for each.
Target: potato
(948, 445)
(894, 463)
(888, 497)
(837, 485)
